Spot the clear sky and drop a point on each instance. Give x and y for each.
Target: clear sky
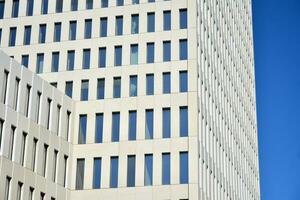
(277, 58)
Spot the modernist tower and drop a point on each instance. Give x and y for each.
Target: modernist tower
(127, 99)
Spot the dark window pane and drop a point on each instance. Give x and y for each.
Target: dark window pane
(2, 6)
(74, 5)
(86, 59)
(166, 82)
(115, 127)
(183, 49)
(29, 7)
(183, 18)
(89, 4)
(27, 35)
(117, 87)
(183, 76)
(79, 174)
(148, 174)
(57, 32)
(102, 57)
(42, 34)
(130, 171)
(71, 60)
(133, 86)
(12, 36)
(151, 1)
(150, 52)
(44, 9)
(69, 88)
(97, 173)
(103, 26)
(166, 168)
(15, 8)
(88, 29)
(104, 3)
(72, 30)
(183, 121)
(184, 168)
(166, 123)
(166, 51)
(25, 60)
(120, 2)
(118, 55)
(135, 1)
(119, 25)
(114, 165)
(99, 128)
(149, 84)
(134, 48)
(84, 90)
(134, 24)
(101, 88)
(40, 63)
(55, 62)
(167, 20)
(82, 129)
(149, 124)
(59, 6)
(150, 22)
(132, 125)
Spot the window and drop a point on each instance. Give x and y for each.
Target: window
(68, 125)
(167, 20)
(42, 196)
(183, 81)
(65, 165)
(4, 86)
(149, 124)
(40, 63)
(42, 33)
(54, 84)
(16, 94)
(97, 173)
(166, 82)
(1, 131)
(117, 87)
(89, 4)
(88, 29)
(55, 62)
(23, 145)
(35, 141)
(57, 32)
(54, 165)
(100, 88)
(0, 34)
(86, 58)
(114, 165)
(151, 1)
(151, 22)
(58, 109)
(59, 6)
(44, 8)
(27, 100)
(31, 191)
(71, 60)
(183, 49)
(44, 163)
(27, 35)
(69, 88)
(183, 18)
(134, 24)
(135, 1)
(118, 55)
(25, 60)
(102, 57)
(103, 26)
(49, 105)
(79, 174)
(82, 129)
(84, 90)
(74, 5)
(130, 171)
(120, 2)
(104, 3)
(72, 30)
(166, 168)
(148, 172)
(15, 8)
(133, 86)
(7, 188)
(167, 51)
(99, 128)
(38, 103)
(19, 190)
(2, 6)
(29, 8)
(115, 127)
(134, 48)
(132, 125)
(12, 36)
(183, 121)
(184, 168)
(166, 129)
(149, 84)
(119, 25)
(150, 52)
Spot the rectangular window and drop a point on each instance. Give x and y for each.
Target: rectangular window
(35, 141)
(117, 87)
(65, 170)
(25, 60)
(100, 88)
(104, 3)
(31, 191)
(149, 84)
(115, 134)
(23, 146)
(74, 5)
(15, 8)
(119, 25)
(44, 8)
(82, 129)
(79, 174)
(167, 20)
(42, 33)
(58, 109)
(151, 22)
(114, 165)
(135, 1)
(49, 105)
(88, 29)
(97, 173)
(16, 94)
(150, 52)
(99, 128)
(7, 188)
(4, 86)
(44, 163)
(72, 30)
(130, 171)
(183, 18)
(84, 90)
(132, 125)
(183, 121)
(40, 63)
(55, 157)
(89, 4)
(118, 55)
(103, 26)
(167, 51)
(166, 129)
(71, 60)
(133, 86)
(55, 62)
(102, 57)
(166, 82)
(166, 169)
(184, 168)
(59, 6)
(38, 103)
(12, 36)
(19, 190)
(149, 124)
(183, 81)
(29, 8)
(134, 48)
(27, 100)
(69, 88)
(86, 58)
(1, 131)
(57, 32)
(68, 125)
(120, 2)
(134, 24)
(2, 6)
(151, 1)
(27, 35)
(148, 172)
(183, 49)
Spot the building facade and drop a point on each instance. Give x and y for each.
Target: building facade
(127, 99)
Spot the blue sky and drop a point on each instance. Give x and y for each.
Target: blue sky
(277, 58)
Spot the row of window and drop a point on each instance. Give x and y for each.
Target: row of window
(131, 170)
(58, 6)
(132, 125)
